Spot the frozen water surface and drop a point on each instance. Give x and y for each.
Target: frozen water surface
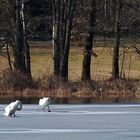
(72, 122)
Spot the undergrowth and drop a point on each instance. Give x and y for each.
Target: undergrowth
(13, 83)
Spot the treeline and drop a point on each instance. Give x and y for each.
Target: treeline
(62, 20)
(41, 18)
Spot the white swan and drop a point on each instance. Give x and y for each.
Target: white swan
(45, 102)
(12, 107)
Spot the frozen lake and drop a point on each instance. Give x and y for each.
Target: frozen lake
(72, 122)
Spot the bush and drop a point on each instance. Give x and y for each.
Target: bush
(15, 80)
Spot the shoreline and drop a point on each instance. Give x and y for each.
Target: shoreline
(72, 100)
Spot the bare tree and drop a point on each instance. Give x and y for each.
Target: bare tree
(56, 4)
(63, 12)
(115, 65)
(66, 38)
(15, 34)
(89, 43)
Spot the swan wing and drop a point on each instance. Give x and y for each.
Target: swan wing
(40, 102)
(47, 101)
(7, 110)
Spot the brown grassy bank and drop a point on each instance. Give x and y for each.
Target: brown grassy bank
(16, 86)
(100, 90)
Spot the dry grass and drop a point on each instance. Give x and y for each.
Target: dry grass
(41, 61)
(44, 84)
(20, 86)
(101, 66)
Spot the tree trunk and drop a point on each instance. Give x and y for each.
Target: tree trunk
(56, 36)
(67, 32)
(89, 44)
(63, 12)
(8, 56)
(20, 57)
(25, 42)
(115, 66)
(21, 49)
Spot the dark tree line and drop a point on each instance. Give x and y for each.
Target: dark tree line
(63, 14)
(63, 19)
(15, 34)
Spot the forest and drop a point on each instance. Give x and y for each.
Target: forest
(85, 49)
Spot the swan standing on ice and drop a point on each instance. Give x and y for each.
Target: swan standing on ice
(45, 102)
(12, 107)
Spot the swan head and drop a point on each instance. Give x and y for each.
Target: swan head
(19, 105)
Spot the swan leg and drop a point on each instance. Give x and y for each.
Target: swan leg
(44, 109)
(14, 115)
(49, 109)
(10, 115)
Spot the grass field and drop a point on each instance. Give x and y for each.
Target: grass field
(101, 67)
